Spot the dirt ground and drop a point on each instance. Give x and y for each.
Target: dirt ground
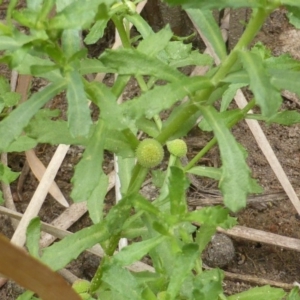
(256, 259)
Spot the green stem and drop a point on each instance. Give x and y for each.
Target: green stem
(139, 174)
(177, 122)
(121, 30)
(12, 4)
(213, 141)
(252, 28)
(131, 138)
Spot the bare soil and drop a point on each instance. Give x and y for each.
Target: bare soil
(250, 258)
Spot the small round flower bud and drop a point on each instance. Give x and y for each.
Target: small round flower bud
(177, 147)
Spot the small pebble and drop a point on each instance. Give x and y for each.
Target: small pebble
(219, 252)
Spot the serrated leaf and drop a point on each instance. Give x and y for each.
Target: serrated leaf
(211, 216)
(92, 65)
(53, 132)
(285, 80)
(75, 15)
(204, 235)
(6, 175)
(266, 95)
(208, 285)
(283, 62)
(96, 32)
(136, 251)
(79, 117)
(158, 178)
(183, 265)
(12, 126)
(142, 204)
(119, 214)
(154, 101)
(134, 62)
(260, 293)
(111, 112)
(24, 61)
(125, 167)
(61, 253)
(228, 116)
(140, 24)
(88, 171)
(95, 202)
(237, 77)
(122, 281)
(194, 59)
(210, 172)
(236, 182)
(71, 42)
(205, 22)
(285, 118)
(155, 43)
(11, 43)
(229, 94)
(33, 234)
(26, 17)
(177, 185)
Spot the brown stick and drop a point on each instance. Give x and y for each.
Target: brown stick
(32, 274)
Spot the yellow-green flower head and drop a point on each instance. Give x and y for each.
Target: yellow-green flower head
(177, 147)
(81, 286)
(149, 153)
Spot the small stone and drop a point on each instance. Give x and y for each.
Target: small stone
(219, 252)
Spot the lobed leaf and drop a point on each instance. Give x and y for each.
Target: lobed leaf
(154, 101)
(211, 216)
(177, 186)
(206, 23)
(266, 95)
(260, 293)
(95, 202)
(79, 118)
(183, 265)
(155, 42)
(236, 181)
(74, 15)
(210, 172)
(33, 234)
(122, 282)
(96, 32)
(12, 126)
(208, 285)
(61, 253)
(136, 251)
(88, 171)
(134, 62)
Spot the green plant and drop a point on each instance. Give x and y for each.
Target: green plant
(149, 153)
(177, 147)
(51, 48)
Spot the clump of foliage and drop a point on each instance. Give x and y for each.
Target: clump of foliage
(51, 48)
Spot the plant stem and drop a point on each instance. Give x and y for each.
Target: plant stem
(177, 122)
(213, 141)
(139, 174)
(121, 30)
